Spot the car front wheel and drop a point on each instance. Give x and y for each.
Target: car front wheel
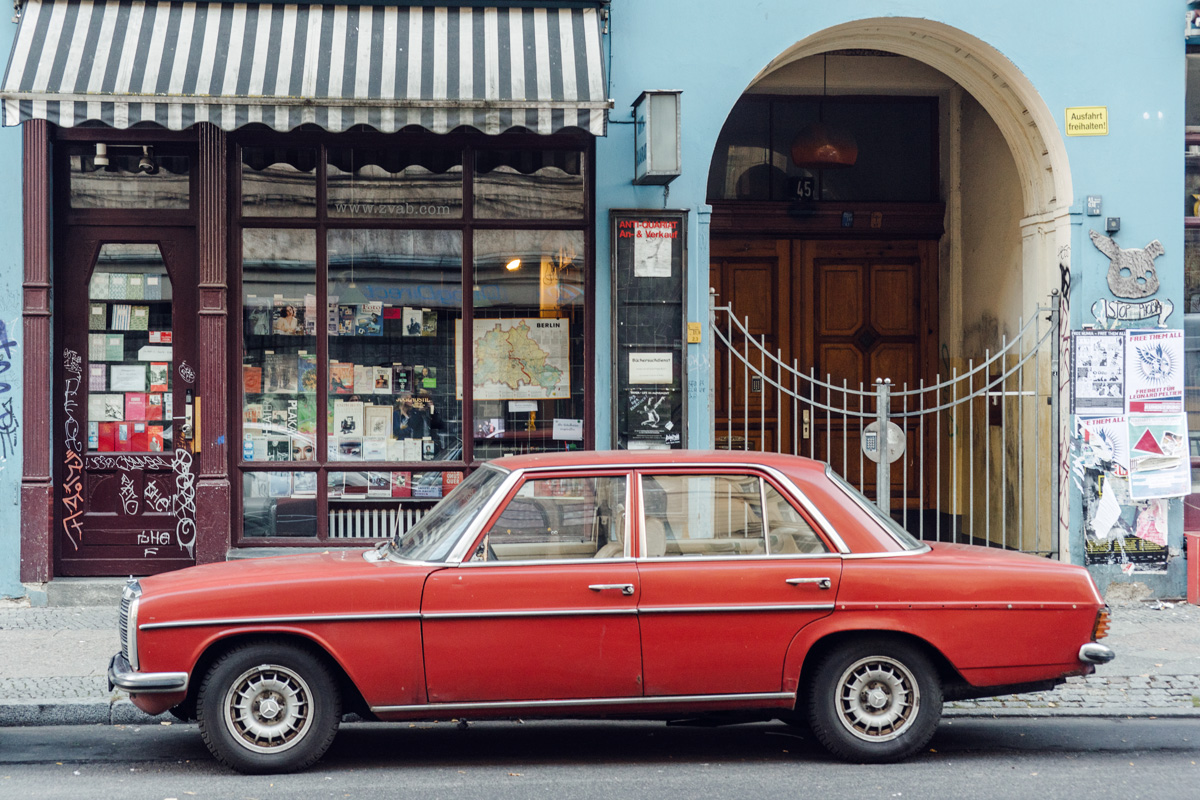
(268, 707)
(874, 700)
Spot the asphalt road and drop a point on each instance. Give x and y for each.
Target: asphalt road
(1044, 758)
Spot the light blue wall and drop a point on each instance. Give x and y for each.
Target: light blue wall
(11, 270)
(1126, 56)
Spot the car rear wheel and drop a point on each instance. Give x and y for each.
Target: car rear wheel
(268, 707)
(874, 700)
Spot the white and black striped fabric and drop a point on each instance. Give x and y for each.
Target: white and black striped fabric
(176, 64)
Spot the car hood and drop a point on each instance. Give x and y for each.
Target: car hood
(322, 583)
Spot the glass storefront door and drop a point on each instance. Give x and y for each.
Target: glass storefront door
(125, 463)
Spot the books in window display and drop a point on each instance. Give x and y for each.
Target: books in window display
(364, 379)
(106, 407)
(97, 316)
(379, 484)
(345, 326)
(402, 378)
(335, 484)
(350, 448)
(382, 380)
(310, 315)
(93, 436)
(257, 450)
(427, 484)
(139, 318)
(374, 448)
(341, 378)
(154, 406)
(135, 287)
(401, 484)
(368, 320)
(114, 347)
(306, 414)
(258, 316)
(158, 436)
(331, 327)
(98, 286)
(280, 372)
(307, 371)
(287, 318)
(135, 406)
(257, 484)
(118, 286)
(153, 290)
(278, 448)
(347, 418)
(377, 421)
(97, 377)
(251, 379)
(159, 371)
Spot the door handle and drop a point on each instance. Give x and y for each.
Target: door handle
(822, 583)
(626, 588)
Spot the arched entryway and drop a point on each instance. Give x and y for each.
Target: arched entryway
(866, 280)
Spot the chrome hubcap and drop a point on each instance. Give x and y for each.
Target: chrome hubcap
(268, 708)
(878, 698)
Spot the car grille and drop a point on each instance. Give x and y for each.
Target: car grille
(126, 625)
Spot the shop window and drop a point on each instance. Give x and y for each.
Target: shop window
(897, 150)
(529, 184)
(128, 176)
(394, 183)
(279, 182)
(356, 397)
(130, 385)
(396, 298)
(279, 378)
(528, 341)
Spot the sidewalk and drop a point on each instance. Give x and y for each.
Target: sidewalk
(53, 662)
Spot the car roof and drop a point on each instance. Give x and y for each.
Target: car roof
(676, 458)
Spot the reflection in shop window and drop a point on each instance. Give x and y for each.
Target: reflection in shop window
(529, 184)
(528, 342)
(130, 403)
(279, 182)
(128, 176)
(394, 183)
(394, 327)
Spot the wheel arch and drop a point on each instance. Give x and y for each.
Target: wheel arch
(815, 641)
(352, 699)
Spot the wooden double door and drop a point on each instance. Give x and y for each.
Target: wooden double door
(851, 310)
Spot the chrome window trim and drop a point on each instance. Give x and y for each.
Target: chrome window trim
(587, 701)
(762, 510)
(893, 554)
(823, 525)
(735, 609)
(529, 562)
(286, 620)
(778, 557)
(861, 503)
(459, 557)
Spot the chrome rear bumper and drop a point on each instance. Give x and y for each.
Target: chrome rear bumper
(122, 676)
(1093, 653)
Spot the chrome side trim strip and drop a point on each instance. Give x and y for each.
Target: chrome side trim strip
(890, 554)
(588, 701)
(734, 609)
(582, 612)
(200, 623)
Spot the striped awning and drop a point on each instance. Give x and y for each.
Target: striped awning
(176, 64)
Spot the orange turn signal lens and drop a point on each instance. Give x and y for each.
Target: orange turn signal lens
(1102, 622)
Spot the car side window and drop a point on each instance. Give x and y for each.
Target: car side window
(559, 518)
(702, 515)
(787, 531)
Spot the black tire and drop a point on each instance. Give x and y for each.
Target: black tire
(874, 700)
(268, 707)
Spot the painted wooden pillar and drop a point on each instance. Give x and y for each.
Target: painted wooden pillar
(213, 509)
(37, 486)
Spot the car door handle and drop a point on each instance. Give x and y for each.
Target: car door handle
(626, 588)
(822, 583)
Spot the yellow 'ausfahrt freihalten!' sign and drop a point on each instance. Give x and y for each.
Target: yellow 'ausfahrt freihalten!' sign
(1087, 121)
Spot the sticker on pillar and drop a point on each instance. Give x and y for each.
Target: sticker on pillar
(1131, 275)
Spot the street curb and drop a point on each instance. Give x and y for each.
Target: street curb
(37, 713)
(1138, 712)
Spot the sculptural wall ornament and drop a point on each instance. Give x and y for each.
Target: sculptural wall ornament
(1131, 275)
(1130, 272)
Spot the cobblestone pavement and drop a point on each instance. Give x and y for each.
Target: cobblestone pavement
(53, 663)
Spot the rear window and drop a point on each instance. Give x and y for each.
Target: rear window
(902, 537)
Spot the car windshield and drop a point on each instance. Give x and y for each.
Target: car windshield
(906, 539)
(432, 538)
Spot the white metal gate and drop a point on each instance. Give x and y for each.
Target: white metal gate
(978, 463)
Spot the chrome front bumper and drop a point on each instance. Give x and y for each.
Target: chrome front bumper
(1093, 653)
(122, 676)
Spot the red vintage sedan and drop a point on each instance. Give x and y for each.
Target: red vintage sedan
(634, 585)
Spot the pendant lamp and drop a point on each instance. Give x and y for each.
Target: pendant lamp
(821, 146)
